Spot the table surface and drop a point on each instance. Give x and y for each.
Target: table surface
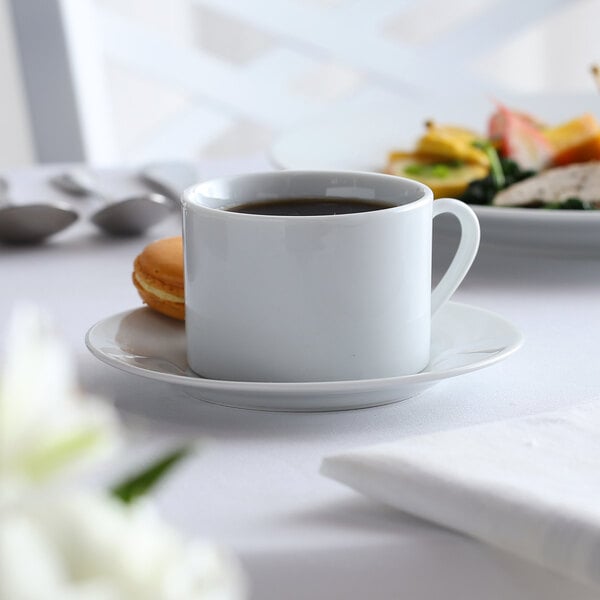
(255, 484)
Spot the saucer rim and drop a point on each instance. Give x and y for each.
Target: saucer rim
(192, 380)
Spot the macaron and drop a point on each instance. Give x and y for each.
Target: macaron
(158, 276)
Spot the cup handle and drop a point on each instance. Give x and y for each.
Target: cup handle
(465, 253)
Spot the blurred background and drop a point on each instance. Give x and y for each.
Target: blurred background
(127, 81)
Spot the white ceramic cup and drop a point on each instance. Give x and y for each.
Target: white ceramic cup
(314, 298)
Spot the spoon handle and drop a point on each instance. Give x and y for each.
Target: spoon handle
(75, 182)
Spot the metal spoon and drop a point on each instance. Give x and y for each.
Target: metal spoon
(121, 217)
(31, 223)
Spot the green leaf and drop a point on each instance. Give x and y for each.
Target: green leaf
(496, 170)
(140, 484)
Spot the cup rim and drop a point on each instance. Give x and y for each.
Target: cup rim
(191, 194)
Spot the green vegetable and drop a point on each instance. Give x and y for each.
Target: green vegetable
(482, 191)
(569, 204)
(439, 170)
(496, 170)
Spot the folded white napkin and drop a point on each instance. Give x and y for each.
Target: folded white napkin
(530, 486)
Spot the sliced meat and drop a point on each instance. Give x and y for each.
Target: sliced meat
(555, 185)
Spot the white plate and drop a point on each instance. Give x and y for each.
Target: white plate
(145, 343)
(359, 136)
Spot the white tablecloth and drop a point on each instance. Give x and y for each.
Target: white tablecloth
(255, 485)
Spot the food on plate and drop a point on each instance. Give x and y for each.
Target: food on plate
(446, 159)
(577, 140)
(573, 186)
(504, 173)
(158, 276)
(521, 161)
(444, 178)
(446, 142)
(520, 137)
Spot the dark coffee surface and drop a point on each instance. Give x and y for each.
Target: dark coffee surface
(309, 207)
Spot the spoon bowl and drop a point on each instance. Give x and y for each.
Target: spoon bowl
(129, 216)
(33, 223)
(133, 215)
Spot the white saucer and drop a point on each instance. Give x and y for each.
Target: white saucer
(142, 342)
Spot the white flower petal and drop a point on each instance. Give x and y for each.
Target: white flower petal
(47, 426)
(89, 547)
(22, 546)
